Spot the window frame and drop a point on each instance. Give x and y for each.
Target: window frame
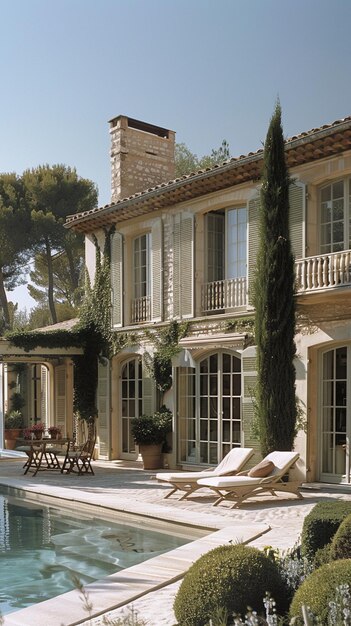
(346, 243)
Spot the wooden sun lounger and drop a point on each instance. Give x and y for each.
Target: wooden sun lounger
(187, 482)
(239, 488)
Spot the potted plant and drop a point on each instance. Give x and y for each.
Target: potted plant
(149, 433)
(13, 428)
(38, 430)
(54, 432)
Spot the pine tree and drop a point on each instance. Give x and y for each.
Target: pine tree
(274, 301)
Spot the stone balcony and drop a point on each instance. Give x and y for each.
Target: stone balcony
(222, 295)
(324, 271)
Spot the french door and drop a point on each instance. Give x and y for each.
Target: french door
(137, 397)
(209, 409)
(335, 415)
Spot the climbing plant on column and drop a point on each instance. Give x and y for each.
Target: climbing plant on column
(274, 301)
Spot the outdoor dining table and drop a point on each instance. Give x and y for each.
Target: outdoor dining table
(43, 453)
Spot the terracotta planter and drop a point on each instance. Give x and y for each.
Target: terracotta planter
(38, 434)
(11, 436)
(151, 455)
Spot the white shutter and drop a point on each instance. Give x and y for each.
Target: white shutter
(60, 397)
(117, 278)
(183, 267)
(297, 194)
(253, 238)
(157, 271)
(103, 406)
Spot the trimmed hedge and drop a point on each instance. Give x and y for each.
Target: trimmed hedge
(230, 577)
(319, 589)
(341, 545)
(321, 524)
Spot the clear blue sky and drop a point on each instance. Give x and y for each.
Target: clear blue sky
(208, 69)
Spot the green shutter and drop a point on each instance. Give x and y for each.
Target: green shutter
(117, 278)
(176, 266)
(103, 406)
(156, 271)
(44, 395)
(249, 377)
(253, 238)
(297, 194)
(148, 387)
(187, 265)
(60, 397)
(183, 265)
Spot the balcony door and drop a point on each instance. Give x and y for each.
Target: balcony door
(226, 254)
(141, 303)
(335, 415)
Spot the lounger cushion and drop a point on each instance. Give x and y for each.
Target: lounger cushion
(184, 477)
(229, 482)
(261, 470)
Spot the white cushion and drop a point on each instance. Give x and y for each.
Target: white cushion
(223, 482)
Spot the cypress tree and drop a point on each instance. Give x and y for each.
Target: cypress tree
(274, 301)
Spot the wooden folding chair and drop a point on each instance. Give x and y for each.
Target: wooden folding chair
(79, 460)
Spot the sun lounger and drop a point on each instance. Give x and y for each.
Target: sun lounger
(239, 488)
(232, 463)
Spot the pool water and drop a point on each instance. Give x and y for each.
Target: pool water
(42, 547)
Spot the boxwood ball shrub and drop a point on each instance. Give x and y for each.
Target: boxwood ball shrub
(321, 524)
(341, 544)
(319, 589)
(230, 577)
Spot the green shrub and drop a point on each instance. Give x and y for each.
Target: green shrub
(341, 545)
(152, 429)
(14, 419)
(230, 577)
(321, 524)
(322, 556)
(319, 589)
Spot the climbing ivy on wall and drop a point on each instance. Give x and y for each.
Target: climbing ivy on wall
(92, 333)
(166, 342)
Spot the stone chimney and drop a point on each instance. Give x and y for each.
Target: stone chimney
(142, 156)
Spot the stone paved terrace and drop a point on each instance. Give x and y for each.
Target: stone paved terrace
(122, 486)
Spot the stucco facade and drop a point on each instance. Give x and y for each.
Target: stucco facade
(186, 251)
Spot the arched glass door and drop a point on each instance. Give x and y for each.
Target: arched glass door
(335, 415)
(131, 397)
(209, 409)
(137, 397)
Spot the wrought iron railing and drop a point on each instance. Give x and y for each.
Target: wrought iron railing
(141, 309)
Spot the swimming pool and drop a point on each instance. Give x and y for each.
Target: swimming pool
(42, 546)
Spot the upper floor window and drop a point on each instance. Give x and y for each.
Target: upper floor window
(226, 259)
(141, 303)
(226, 244)
(335, 215)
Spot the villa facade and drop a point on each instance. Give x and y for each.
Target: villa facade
(185, 250)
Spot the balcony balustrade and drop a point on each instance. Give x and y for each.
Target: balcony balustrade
(324, 271)
(224, 294)
(141, 310)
